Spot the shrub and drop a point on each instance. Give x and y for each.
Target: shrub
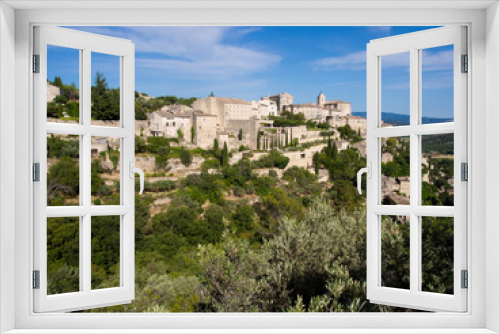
(186, 157)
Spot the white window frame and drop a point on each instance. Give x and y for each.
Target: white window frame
(413, 44)
(484, 49)
(86, 44)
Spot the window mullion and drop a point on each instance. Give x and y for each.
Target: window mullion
(85, 167)
(414, 170)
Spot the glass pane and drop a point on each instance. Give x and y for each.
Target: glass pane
(437, 84)
(105, 252)
(395, 92)
(395, 251)
(437, 169)
(105, 90)
(63, 255)
(105, 171)
(395, 181)
(437, 254)
(63, 170)
(63, 78)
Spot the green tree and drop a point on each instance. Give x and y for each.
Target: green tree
(215, 148)
(180, 134)
(240, 135)
(105, 102)
(225, 155)
(214, 220)
(186, 157)
(192, 134)
(63, 179)
(316, 163)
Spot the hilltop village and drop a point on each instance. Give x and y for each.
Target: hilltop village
(235, 189)
(248, 130)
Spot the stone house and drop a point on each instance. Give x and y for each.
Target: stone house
(168, 121)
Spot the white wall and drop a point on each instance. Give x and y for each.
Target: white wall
(492, 145)
(7, 160)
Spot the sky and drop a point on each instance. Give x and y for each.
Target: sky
(252, 62)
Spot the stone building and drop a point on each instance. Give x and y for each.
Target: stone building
(311, 111)
(267, 108)
(323, 110)
(169, 120)
(205, 129)
(225, 109)
(282, 100)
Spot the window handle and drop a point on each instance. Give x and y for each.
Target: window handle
(139, 171)
(368, 171)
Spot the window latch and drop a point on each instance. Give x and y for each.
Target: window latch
(133, 170)
(368, 171)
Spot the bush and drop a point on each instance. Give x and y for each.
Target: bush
(186, 157)
(273, 159)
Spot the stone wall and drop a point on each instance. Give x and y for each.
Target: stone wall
(205, 130)
(52, 92)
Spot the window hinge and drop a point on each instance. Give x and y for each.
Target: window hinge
(36, 63)
(36, 279)
(465, 64)
(36, 172)
(465, 279)
(464, 173)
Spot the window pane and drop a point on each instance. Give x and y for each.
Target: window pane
(63, 78)
(63, 255)
(105, 252)
(437, 254)
(437, 170)
(63, 170)
(395, 251)
(395, 92)
(395, 181)
(105, 90)
(105, 185)
(437, 84)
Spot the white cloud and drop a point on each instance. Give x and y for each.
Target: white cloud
(356, 61)
(384, 30)
(194, 51)
(353, 61)
(437, 61)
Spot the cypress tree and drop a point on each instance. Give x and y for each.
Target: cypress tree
(316, 163)
(225, 156)
(329, 148)
(335, 152)
(216, 149)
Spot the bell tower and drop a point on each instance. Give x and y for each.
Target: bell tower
(321, 99)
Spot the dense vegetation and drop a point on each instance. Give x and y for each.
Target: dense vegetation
(256, 235)
(105, 101)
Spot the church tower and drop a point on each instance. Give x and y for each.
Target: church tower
(321, 99)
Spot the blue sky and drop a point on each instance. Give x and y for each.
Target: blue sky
(251, 62)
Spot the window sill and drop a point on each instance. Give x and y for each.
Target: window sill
(251, 331)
